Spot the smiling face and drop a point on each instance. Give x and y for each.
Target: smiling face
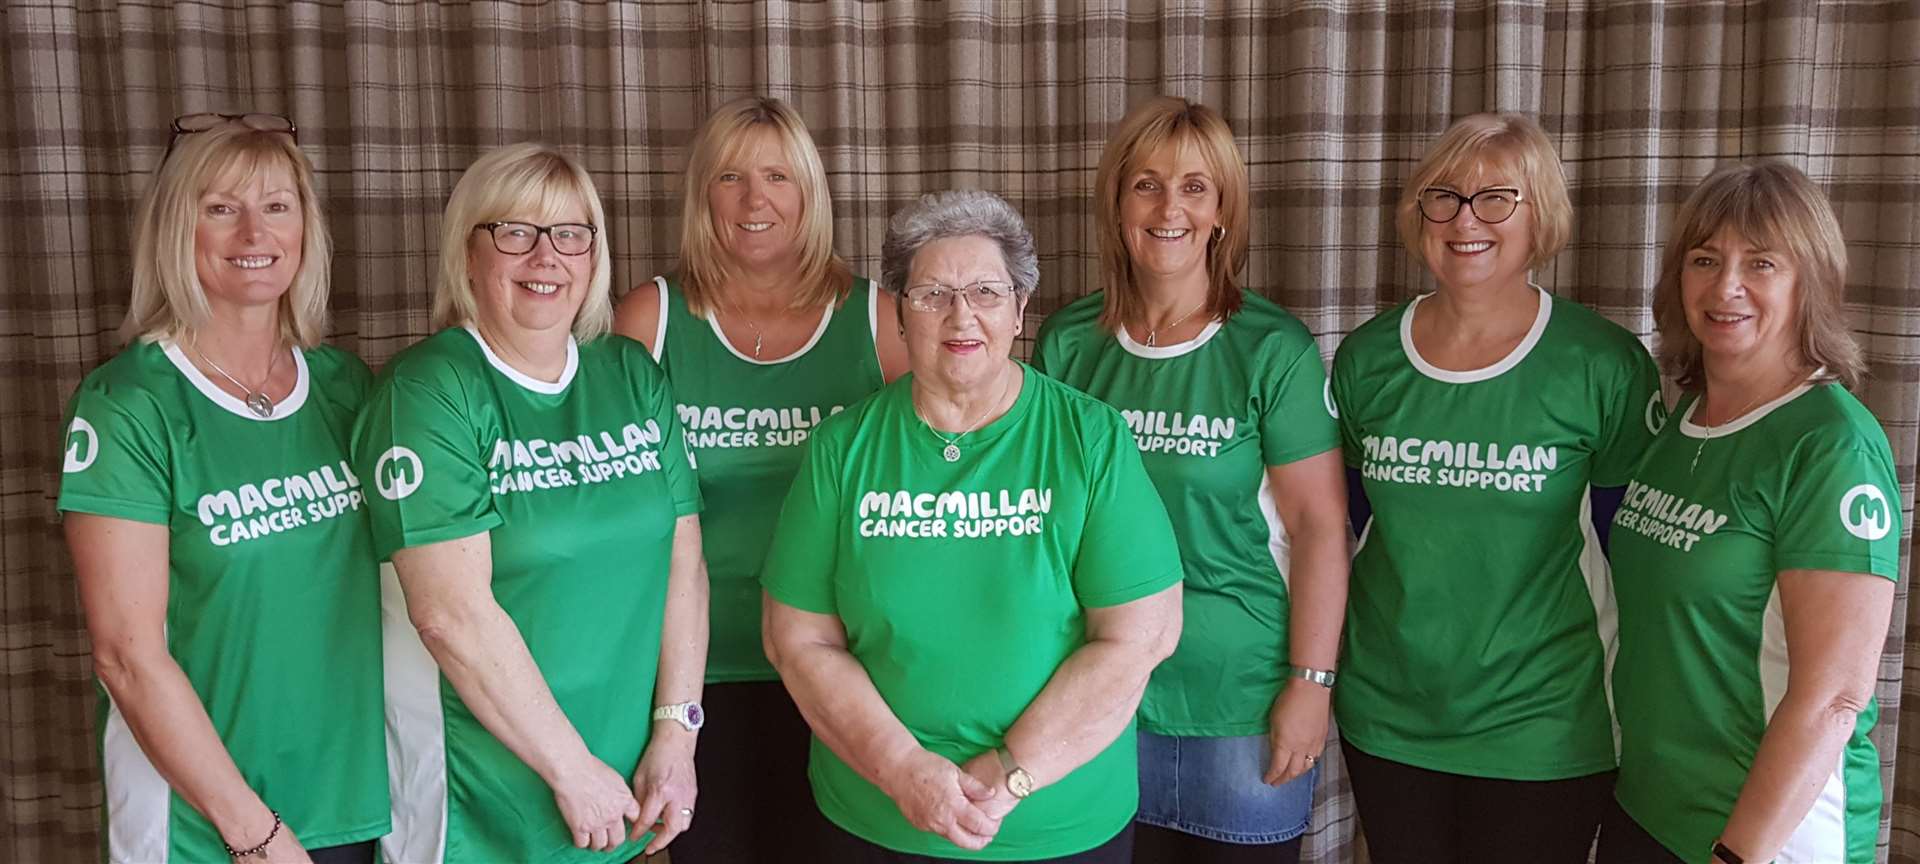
(247, 238)
(1466, 252)
(1741, 300)
(538, 291)
(1168, 208)
(963, 347)
(756, 203)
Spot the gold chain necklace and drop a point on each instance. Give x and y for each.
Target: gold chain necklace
(1153, 333)
(1711, 429)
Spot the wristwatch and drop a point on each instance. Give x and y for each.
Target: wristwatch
(1019, 782)
(687, 714)
(1322, 677)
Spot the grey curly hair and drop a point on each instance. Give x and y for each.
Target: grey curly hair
(958, 213)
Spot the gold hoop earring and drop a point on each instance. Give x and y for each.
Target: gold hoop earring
(1219, 231)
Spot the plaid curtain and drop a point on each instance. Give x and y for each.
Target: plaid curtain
(1332, 102)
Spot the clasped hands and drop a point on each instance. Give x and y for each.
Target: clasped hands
(963, 803)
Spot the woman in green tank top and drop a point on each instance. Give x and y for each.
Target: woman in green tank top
(763, 333)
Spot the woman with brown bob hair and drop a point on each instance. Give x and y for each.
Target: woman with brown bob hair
(1473, 705)
(763, 333)
(1757, 549)
(1232, 724)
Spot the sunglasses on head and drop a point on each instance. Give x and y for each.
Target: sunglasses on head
(187, 124)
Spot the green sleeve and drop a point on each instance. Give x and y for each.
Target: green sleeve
(1127, 549)
(1342, 387)
(683, 481)
(1839, 510)
(1297, 413)
(1633, 414)
(1046, 347)
(115, 455)
(806, 541)
(422, 462)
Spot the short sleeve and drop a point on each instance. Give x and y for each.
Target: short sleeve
(1341, 387)
(1127, 549)
(421, 458)
(806, 541)
(1298, 415)
(1840, 510)
(683, 480)
(1046, 348)
(1632, 414)
(116, 461)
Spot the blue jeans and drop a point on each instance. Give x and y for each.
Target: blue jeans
(1210, 787)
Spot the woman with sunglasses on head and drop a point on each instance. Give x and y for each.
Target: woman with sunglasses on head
(224, 558)
(1232, 725)
(764, 333)
(533, 491)
(1487, 427)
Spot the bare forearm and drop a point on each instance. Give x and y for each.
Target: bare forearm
(173, 730)
(683, 635)
(1799, 750)
(484, 657)
(839, 701)
(1089, 701)
(1317, 599)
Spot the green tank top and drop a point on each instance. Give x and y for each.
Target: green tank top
(747, 423)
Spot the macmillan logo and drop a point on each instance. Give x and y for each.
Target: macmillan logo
(1178, 432)
(398, 473)
(953, 513)
(83, 446)
(1656, 413)
(1865, 512)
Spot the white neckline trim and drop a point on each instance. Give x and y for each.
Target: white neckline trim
(660, 329)
(1695, 430)
(826, 315)
(281, 410)
(1484, 373)
(549, 388)
(1157, 352)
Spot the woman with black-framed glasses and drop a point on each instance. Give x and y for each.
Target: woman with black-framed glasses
(1472, 703)
(546, 626)
(218, 534)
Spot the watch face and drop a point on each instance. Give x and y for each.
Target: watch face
(696, 717)
(1019, 782)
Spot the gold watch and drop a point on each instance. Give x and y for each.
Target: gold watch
(1019, 782)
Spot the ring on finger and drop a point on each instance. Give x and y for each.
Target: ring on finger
(687, 812)
(1310, 760)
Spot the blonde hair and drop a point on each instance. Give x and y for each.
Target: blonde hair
(168, 301)
(1774, 206)
(519, 182)
(823, 277)
(1152, 125)
(1513, 142)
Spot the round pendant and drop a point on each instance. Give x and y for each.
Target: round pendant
(259, 404)
(952, 452)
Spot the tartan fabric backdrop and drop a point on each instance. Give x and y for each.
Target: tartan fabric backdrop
(1332, 103)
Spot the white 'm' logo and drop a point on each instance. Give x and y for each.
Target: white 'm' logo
(1326, 395)
(1656, 413)
(1868, 519)
(83, 445)
(397, 473)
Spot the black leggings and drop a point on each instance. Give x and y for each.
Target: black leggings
(1623, 841)
(844, 848)
(755, 803)
(1153, 844)
(1415, 816)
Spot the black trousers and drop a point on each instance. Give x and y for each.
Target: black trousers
(351, 853)
(1623, 841)
(755, 803)
(848, 849)
(1415, 816)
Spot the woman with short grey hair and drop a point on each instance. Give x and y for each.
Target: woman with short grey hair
(971, 579)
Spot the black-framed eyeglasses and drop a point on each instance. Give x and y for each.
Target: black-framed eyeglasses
(1492, 206)
(519, 238)
(187, 124)
(936, 297)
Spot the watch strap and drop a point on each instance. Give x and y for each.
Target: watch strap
(1322, 677)
(1726, 856)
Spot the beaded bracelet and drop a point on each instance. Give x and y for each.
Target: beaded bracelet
(259, 851)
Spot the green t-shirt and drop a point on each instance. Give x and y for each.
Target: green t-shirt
(962, 587)
(1209, 416)
(1805, 482)
(273, 597)
(578, 485)
(1479, 617)
(746, 421)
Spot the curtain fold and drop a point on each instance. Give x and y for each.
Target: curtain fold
(1332, 103)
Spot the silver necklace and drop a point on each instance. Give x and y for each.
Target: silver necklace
(952, 451)
(1153, 333)
(758, 337)
(1712, 429)
(256, 400)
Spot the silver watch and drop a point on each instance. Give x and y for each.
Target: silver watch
(687, 714)
(1322, 677)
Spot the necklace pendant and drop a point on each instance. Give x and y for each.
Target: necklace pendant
(259, 404)
(756, 345)
(1151, 340)
(952, 453)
